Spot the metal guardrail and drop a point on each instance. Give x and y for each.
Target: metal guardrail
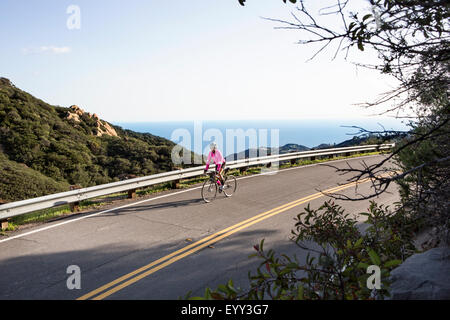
(17, 208)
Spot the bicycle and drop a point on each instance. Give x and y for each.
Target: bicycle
(210, 186)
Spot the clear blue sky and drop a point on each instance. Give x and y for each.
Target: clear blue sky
(154, 60)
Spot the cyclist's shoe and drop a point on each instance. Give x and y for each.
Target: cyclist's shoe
(220, 188)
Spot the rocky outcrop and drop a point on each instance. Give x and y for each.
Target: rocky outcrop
(75, 113)
(5, 82)
(423, 276)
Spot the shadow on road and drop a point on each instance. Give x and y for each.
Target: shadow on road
(43, 275)
(165, 205)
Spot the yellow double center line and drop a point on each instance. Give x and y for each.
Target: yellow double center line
(163, 262)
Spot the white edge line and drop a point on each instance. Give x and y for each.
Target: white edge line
(163, 196)
(94, 214)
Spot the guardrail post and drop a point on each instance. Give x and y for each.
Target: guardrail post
(243, 170)
(4, 224)
(312, 158)
(74, 206)
(176, 183)
(293, 162)
(132, 194)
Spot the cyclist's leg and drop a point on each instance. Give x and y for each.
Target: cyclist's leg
(219, 170)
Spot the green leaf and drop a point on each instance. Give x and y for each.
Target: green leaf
(208, 293)
(359, 242)
(231, 287)
(300, 293)
(374, 257)
(363, 265)
(197, 298)
(392, 263)
(360, 46)
(284, 271)
(222, 288)
(367, 16)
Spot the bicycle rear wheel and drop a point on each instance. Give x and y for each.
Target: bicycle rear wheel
(209, 191)
(230, 186)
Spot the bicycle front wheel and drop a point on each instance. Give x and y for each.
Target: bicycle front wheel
(230, 186)
(209, 191)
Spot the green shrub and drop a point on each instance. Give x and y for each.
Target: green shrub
(337, 260)
(18, 182)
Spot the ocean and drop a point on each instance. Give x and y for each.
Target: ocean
(196, 135)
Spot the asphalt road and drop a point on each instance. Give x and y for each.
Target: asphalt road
(164, 246)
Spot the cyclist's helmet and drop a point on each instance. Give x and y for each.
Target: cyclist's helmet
(213, 146)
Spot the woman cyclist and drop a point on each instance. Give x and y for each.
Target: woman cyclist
(218, 160)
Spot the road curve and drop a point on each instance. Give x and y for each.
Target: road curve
(164, 246)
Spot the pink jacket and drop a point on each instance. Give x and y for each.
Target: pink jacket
(217, 158)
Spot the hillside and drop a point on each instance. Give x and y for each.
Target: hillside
(364, 140)
(47, 148)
